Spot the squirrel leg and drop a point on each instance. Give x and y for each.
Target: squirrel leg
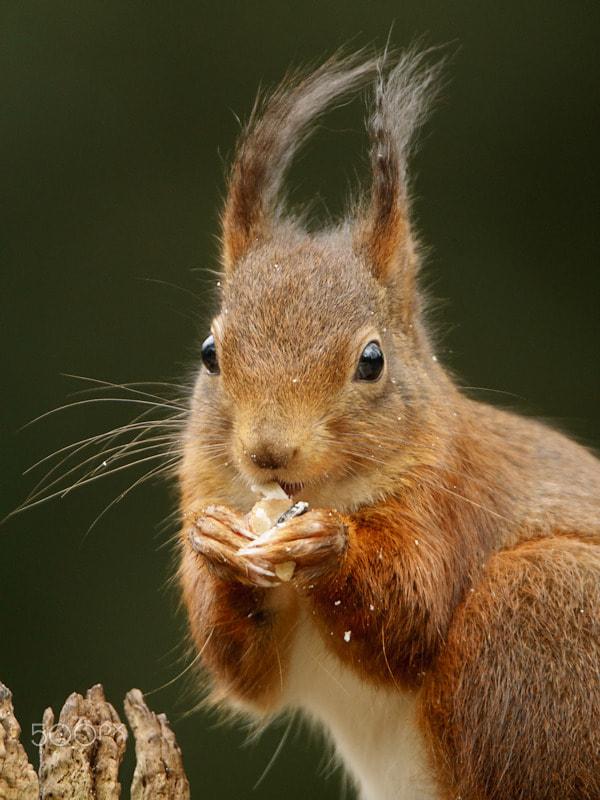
(512, 705)
(241, 628)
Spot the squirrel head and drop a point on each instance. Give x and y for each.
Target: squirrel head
(317, 372)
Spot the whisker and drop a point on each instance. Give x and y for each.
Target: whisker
(78, 447)
(275, 755)
(193, 663)
(120, 450)
(443, 488)
(97, 438)
(489, 389)
(183, 289)
(88, 477)
(362, 456)
(63, 492)
(414, 450)
(162, 468)
(94, 400)
(128, 387)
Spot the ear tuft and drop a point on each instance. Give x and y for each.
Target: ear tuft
(278, 125)
(401, 105)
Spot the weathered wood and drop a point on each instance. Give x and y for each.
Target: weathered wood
(159, 773)
(18, 780)
(80, 754)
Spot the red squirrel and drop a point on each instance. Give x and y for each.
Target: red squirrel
(440, 617)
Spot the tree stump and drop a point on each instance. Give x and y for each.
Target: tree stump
(80, 754)
(18, 780)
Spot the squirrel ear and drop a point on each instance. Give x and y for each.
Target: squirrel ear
(401, 105)
(278, 125)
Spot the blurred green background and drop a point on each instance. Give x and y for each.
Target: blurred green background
(117, 120)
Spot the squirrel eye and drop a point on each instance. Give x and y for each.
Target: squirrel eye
(370, 363)
(209, 356)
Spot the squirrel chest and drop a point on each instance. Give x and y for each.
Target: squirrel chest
(374, 729)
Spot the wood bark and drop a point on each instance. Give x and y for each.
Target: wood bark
(80, 754)
(18, 780)
(159, 773)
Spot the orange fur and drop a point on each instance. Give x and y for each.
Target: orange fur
(451, 552)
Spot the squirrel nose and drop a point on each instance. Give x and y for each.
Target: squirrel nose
(272, 456)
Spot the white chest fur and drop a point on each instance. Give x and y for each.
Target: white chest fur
(373, 729)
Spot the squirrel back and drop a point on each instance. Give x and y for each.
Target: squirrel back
(427, 509)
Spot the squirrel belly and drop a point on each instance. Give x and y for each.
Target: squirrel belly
(432, 598)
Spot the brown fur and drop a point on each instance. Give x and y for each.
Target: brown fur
(458, 543)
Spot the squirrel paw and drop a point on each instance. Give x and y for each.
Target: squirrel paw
(219, 535)
(315, 542)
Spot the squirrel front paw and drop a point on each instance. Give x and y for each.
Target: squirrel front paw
(313, 544)
(219, 535)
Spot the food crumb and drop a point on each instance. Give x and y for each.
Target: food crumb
(347, 636)
(285, 571)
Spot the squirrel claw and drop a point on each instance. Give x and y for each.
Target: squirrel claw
(216, 536)
(316, 542)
